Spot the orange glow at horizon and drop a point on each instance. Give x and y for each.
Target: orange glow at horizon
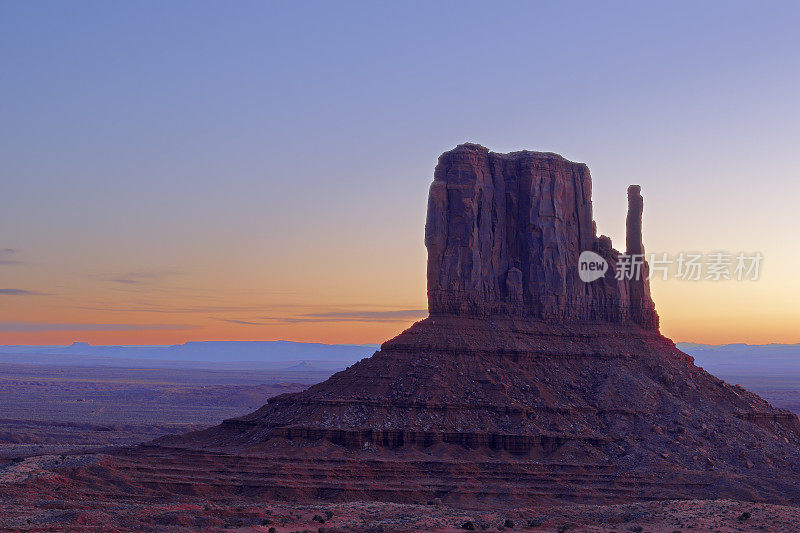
(341, 289)
(701, 312)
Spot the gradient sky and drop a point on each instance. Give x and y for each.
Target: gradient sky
(178, 171)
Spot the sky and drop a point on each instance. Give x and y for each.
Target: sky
(176, 171)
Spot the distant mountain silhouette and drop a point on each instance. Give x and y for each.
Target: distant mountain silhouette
(726, 359)
(767, 360)
(267, 355)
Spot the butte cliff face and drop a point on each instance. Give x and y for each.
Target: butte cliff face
(524, 385)
(504, 233)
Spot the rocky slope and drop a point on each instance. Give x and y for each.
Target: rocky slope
(525, 383)
(524, 386)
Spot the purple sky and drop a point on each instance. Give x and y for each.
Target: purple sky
(199, 170)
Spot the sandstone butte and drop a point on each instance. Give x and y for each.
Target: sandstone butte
(525, 385)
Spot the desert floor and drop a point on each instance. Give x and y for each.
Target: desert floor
(63, 417)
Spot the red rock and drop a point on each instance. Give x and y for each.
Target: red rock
(504, 232)
(525, 385)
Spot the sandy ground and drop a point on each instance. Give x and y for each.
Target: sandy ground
(667, 516)
(115, 512)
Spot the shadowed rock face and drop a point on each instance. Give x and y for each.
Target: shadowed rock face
(504, 233)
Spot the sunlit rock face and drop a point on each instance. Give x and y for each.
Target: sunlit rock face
(504, 233)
